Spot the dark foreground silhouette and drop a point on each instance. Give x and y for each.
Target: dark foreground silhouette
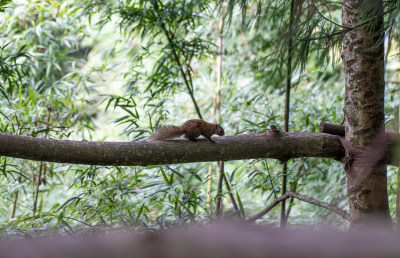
(210, 241)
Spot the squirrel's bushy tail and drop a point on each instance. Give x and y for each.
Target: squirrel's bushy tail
(167, 132)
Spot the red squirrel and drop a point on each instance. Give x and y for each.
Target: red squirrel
(191, 129)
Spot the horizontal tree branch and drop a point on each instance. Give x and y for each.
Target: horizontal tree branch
(276, 145)
(303, 198)
(384, 146)
(332, 129)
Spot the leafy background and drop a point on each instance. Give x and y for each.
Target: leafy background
(115, 70)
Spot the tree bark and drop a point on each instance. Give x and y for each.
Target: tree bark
(277, 145)
(363, 61)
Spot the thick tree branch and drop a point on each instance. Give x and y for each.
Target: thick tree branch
(303, 198)
(332, 129)
(276, 145)
(383, 146)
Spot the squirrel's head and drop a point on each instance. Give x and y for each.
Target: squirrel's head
(218, 130)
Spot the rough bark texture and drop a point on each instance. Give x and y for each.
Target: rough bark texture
(332, 129)
(277, 145)
(363, 61)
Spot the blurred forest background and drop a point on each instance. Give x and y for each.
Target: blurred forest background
(115, 70)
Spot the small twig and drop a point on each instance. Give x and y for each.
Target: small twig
(391, 188)
(217, 110)
(303, 198)
(209, 183)
(218, 208)
(355, 27)
(178, 62)
(294, 187)
(228, 187)
(390, 37)
(398, 200)
(15, 201)
(287, 110)
(283, 220)
(56, 216)
(398, 191)
(84, 223)
(270, 180)
(289, 209)
(329, 20)
(42, 166)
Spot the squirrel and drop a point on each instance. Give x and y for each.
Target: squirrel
(191, 129)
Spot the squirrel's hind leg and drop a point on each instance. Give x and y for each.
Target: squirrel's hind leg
(211, 140)
(189, 138)
(192, 139)
(192, 134)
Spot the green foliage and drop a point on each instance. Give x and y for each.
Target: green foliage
(3, 3)
(316, 30)
(41, 97)
(158, 67)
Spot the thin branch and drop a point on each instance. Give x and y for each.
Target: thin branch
(82, 222)
(390, 37)
(15, 201)
(294, 187)
(329, 20)
(283, 220)
(178, 62)
(229, 189)
(209, 185)
(42, 168)
(218, 208)
(398, 188)
(15, 204)
(353, 28)
(217, 110)
(307, 199)
(270, 180)
(287, 110)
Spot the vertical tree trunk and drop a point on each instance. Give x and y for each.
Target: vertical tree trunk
(287, 110)
(363, 61)
(217, 111)
(398, 182)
